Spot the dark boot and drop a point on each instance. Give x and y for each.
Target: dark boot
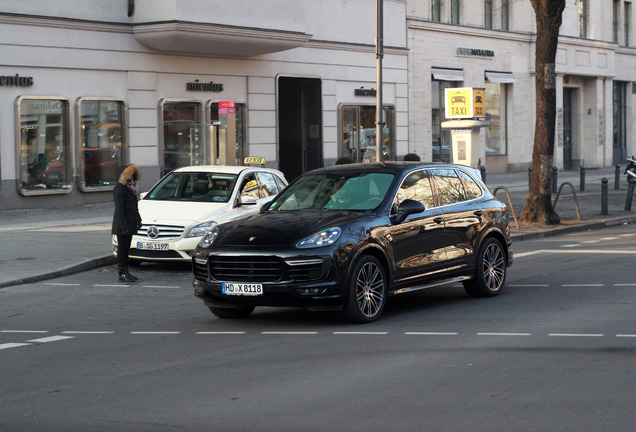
(124, 276)
(131, 276)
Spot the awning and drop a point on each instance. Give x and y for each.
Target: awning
(500, 77)
(448, 74)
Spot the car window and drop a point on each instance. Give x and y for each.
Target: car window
(470, 186)
(449, 186)
(416, 186)
(268, 186)
(249, 187)
(350, 191)
(194, 186)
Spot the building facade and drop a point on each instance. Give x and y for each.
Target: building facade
(490, 44)
(89, 85)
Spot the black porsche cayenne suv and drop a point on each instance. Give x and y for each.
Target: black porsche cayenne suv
(346, 237)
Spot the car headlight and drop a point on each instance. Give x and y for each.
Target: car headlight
(200, 230)
(209, 237)
(319, 239)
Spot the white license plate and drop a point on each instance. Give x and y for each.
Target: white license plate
(246, 289)
(152, 246)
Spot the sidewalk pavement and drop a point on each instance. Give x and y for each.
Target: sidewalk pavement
(48, 243)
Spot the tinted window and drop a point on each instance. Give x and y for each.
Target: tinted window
(470, 186)
(449, 186)
(417, 186)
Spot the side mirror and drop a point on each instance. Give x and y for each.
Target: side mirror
(247, 200)
(408, 207)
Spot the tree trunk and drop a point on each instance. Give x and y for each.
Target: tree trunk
(538, 208)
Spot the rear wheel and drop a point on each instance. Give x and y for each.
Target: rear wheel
(236, 312)
(490, 274)
(367, 291)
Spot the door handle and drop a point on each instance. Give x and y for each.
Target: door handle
(439, 220)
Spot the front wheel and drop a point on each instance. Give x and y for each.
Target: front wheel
(490, 274)
(367, 291)
(236, 312)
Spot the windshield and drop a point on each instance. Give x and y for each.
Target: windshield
(346, 191)
(194, 187)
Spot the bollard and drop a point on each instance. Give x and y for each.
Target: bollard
(604, 196)
(617, 177)
(582, 179)
(482, 169)
(529, 176)
(630, 193)
(555, 176)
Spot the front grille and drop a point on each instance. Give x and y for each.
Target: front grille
(200, 269)
(246, 268)
(305, 270)
(160, 232)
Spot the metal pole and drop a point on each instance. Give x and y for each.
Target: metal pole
(379, 53)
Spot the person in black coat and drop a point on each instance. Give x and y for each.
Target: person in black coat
(126, 220)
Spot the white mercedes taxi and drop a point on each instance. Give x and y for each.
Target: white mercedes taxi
(188, 201)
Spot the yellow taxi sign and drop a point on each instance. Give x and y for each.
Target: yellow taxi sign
(465, 102)
(254, 160)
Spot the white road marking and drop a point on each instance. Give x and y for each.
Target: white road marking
(220, 333)
(110, 286)
(50, 339)
(155, 332)
(571, 245)
(582, 285)
(161, 287)
(24, 331)
(432, 333)
(289, 333)
(575, 334)
(609, 238)
(626, 335)
(359, 333)
(529, 285)
(625, 284)
(61, 284)
(12, 345)
(579, 251)
(503, 334)
(82, 332)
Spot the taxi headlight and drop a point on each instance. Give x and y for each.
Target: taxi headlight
(200, 229)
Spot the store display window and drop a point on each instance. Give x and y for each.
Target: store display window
(102, 144)
(358, 132)
(43, 145)
(180, 144)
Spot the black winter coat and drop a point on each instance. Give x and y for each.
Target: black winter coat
(126, 220)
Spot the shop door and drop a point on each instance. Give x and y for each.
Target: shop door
(567, 128)
(299, 125)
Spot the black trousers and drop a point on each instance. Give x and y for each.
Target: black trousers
(123, 249)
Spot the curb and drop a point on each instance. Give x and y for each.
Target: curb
(584, 226)
(64, 271)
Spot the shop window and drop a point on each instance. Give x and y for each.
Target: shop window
(101, 142)
(441, 139)
(44, 155)
(179, 145)
(358, 132)
(497, 89)
(242, 150)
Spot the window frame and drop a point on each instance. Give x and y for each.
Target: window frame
(123, 147)
(65, 125)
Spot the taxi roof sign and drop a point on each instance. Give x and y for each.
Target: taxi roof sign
(254, 160)
(465, 102)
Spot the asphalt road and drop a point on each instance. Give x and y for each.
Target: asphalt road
(554, 352)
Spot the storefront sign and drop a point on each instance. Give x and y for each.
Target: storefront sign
(474, 52)
(15, 81)
(227, 107)
(205, 87)
(364, 92)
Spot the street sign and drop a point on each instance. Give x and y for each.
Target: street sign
(465, 103)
